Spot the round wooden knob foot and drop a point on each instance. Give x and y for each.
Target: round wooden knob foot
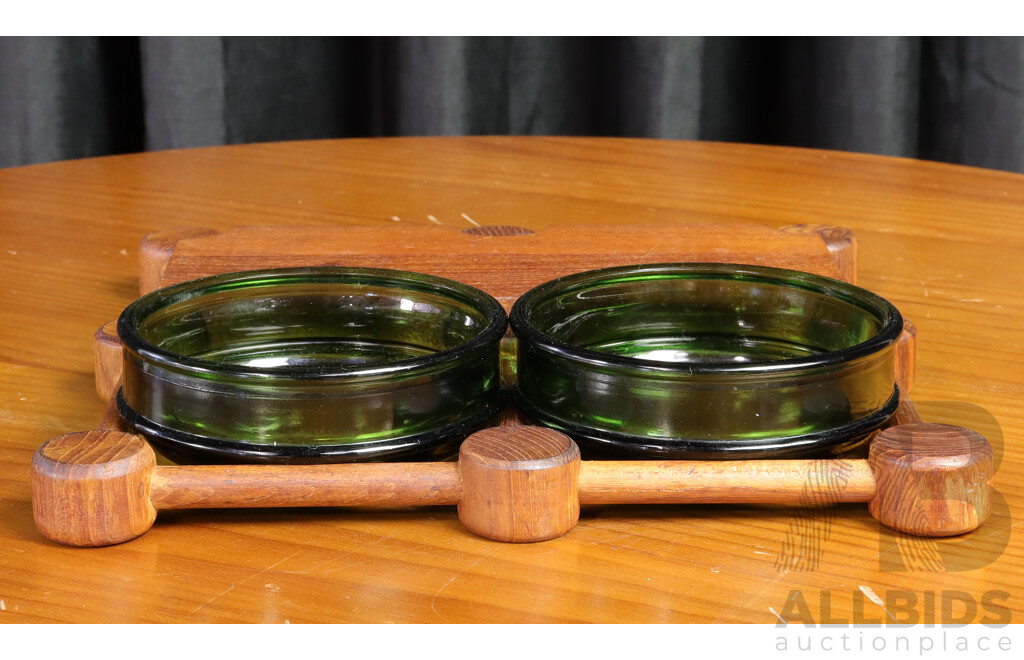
(519, 483)
(931, 479)
(92, 488)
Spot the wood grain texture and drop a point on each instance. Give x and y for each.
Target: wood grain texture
(497, 230)
(156, 250)
(906, 357)
(932, 479)
(943, 243)
(516, 483)
(504, 263)
(511, 261)
(92, 489)
(242, 486)
(108, 359)
(112, 420)
(793, 482)
(906, 412)
(841, 244)
(519, 484)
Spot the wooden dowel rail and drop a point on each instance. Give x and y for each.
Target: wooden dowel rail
(512, 483)
(725, 482)
(245, 486)
(427, 484)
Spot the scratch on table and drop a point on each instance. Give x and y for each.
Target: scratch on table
(925, 283)
(433, 601)
(874, 598)
(364, 546)
(396, 218)
(470, 220)
(434, 220)
(655, 247)
(458, 574)
(781, 620)
(240, 583)
(896, 546)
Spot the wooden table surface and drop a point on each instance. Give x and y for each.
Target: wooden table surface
(944, 243)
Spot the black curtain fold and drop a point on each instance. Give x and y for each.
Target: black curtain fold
(954, 99)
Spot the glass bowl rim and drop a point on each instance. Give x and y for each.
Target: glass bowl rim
(692, 448)
(138, 310)
(888, 333)
(166, 437)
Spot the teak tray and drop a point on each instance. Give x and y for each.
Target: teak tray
(501, 260)
(102, 487)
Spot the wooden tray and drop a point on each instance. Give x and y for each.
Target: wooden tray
(503, 474)
(504, 261)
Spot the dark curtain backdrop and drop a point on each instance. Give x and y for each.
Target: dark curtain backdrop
(951, 99)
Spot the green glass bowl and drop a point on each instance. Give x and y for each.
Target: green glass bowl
(311, 365)
(706, 361)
